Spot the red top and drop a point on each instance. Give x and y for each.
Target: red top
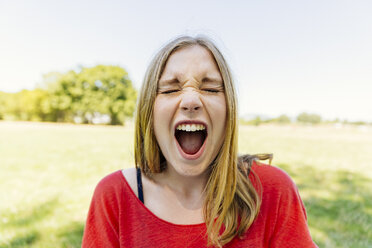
(117, 218)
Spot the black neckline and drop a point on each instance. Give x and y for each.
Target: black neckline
(139, 185)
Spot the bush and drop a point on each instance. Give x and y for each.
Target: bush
(309, 118)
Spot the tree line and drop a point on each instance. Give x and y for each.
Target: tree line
(99, 94)
(303, 118)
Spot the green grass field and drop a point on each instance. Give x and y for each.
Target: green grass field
(48, 173)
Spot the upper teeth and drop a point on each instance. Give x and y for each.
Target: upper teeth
(190, 127)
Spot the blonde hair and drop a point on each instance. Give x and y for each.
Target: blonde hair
(231, 200)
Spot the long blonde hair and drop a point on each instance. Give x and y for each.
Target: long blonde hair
(231, 200)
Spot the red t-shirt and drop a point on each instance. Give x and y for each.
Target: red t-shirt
(117, 218)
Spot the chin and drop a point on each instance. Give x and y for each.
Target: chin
(188, 168)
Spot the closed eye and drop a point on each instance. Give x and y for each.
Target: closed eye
(212, 90)
(169, 91)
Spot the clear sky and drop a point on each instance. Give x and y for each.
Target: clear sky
(287, 56)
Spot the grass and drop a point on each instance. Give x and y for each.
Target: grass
(48, 173)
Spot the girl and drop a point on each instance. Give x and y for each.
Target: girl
(189, 187)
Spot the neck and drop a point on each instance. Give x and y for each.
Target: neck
(188, 189)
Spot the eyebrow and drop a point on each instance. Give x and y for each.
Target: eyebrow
(169, 81)
(211, 80)
(174, 80)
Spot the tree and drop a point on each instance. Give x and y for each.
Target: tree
(282, 119)
(3, 97)
(59, 102)
(309, 118)
(10, 106)
(25, 105)
(91, 94)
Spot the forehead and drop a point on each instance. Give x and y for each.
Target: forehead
(193, 59)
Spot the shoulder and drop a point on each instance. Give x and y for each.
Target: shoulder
(110, 185)
(110, 180)
(272, 178)
(279, 191)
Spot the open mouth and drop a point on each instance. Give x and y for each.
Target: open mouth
(191, 137)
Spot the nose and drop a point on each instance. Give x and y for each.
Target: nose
(190, 102)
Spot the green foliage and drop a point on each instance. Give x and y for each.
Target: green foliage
(357, 123)
(97, 94)
(254, 122)
(309, 118)
(283, 119)
(3, 97)
(25, 105)
(92, 93)
(257, 121)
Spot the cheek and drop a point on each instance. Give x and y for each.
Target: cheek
(217, 109)
(163, 113)
(157, 118)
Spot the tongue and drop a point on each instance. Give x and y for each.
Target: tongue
(190, 141)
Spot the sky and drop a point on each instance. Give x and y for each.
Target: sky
(287, 57)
